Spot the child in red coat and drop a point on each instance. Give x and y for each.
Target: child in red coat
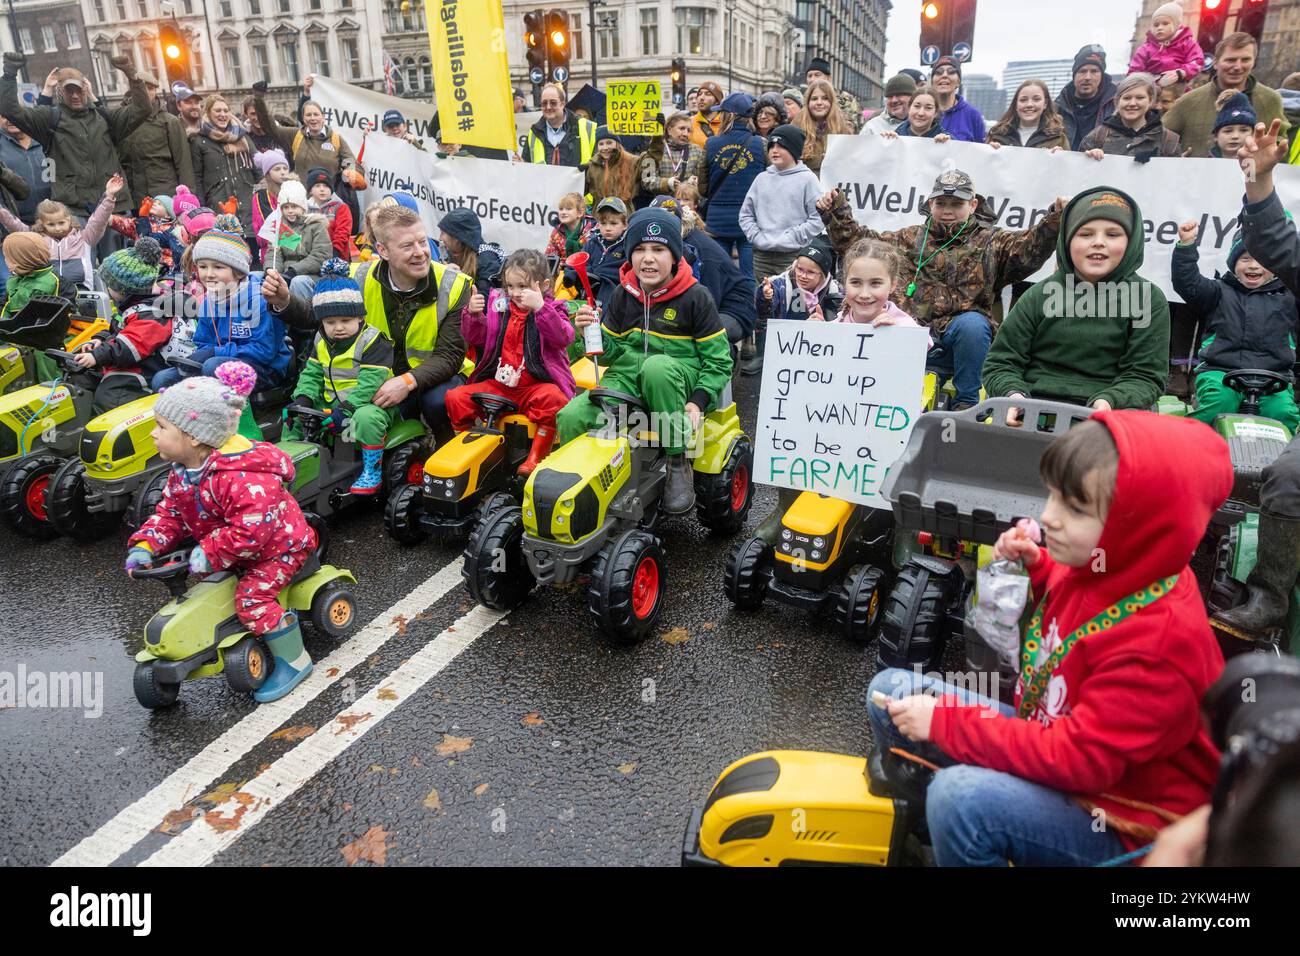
(229, 494)
(521, 336)
(1106, 744)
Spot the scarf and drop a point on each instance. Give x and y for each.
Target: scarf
(233, 139)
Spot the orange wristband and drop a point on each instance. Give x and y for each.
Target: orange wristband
(409, 379)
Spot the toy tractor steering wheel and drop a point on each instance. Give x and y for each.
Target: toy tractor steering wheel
(189, 363)
(172, 569)
(494, 405)
(611, 399)
(313, 419)
(65, 359)
(1254, 384)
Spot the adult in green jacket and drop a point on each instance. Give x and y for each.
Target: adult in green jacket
(1094, 332)
(156, 156)
(83, 142)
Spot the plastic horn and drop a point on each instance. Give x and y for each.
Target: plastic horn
(578, 263)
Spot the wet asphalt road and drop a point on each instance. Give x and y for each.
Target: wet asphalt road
(570, 763)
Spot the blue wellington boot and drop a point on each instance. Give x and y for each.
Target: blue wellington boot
(292, 662)
(372, 471)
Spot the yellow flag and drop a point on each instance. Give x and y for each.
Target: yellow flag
(472, 76)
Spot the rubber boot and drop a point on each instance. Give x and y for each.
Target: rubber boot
(754, 363)
(543, 439)
(372, 471)
(679, 489)
(770, 529)
(292, 662)
(1268, 589)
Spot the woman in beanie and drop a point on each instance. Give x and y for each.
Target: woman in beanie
(769, 113)
(223, 163)
(461, 235)
(706, 121)
(1136, 128)
(349, 361)
(1030, 121)
(1094, 332)
(820, 117)
(129, 354)
(321, 201)
(302, 241)
(274, 168)
(231, 496)
(612, 171)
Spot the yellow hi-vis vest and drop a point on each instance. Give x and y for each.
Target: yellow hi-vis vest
(341, 371)
(586, 143)
(422, 332)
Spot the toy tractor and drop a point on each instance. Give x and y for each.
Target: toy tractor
(592, 507)
(197, 633)
(47, 322)
(40, 426)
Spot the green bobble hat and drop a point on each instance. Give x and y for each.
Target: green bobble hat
(133, 271)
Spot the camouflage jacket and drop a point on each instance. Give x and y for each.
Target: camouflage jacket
(852, 111)
(966, 276)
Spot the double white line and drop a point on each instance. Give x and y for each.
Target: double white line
(198, 844)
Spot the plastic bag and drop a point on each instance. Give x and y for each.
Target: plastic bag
(1001, 591)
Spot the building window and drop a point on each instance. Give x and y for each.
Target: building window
(234, 69)
(109, 72)
(426, 73)
(25, 38)
(408, 19)
(695, 30)
(650, 31)
(320, 57)
(345, 4)
(576, 35)
(99, 11)
(284, 6)
(74, 37)
(289, 59)
(313, 4)
(121, 9)
(147, 62)
(227, 8)
(261, 62)
(254, 8)
(189, 7)
(412, 74)
(607, 36)
(48, 39)
(351, 58)
(143, 7)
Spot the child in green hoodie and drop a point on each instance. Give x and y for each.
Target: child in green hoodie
(1094, 332)
(28, 258)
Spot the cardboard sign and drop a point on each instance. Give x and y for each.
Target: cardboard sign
(632, 105)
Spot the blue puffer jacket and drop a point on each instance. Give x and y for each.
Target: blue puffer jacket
(732, 161)
(732, 290)
(244, 328)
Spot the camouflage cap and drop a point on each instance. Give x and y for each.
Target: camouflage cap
(953, 182)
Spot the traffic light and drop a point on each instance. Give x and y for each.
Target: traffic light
(949, 27)
(557, 44)
(535, 45)
(1213, 23)
(961, 27)
(678, 75)
(1250, 18)
(176, 54)
(934, 25)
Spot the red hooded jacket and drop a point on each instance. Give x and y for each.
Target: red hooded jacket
(1119, 724)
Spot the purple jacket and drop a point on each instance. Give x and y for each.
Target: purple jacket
(548, 334)
(1180, 53)
(963, 121)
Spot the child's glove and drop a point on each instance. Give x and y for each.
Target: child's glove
(138, 557)
(199, 562)
(338, 420)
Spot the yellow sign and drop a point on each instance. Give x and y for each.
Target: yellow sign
(632, 105)
(471, 75)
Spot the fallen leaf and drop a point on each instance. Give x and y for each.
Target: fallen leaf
(264, 768)
(708, 626)
(220, 793)
(173, 821)
(433, 801)
(371, 847)
(222, 823)
(348, 721)
(332, 672)
(626, 768)
(532, 720)
(376, 768)
(453, 745)
(480, 789)
(400, 621)
(678, 635)
(415, 762)
(293, 733)
(387, 693)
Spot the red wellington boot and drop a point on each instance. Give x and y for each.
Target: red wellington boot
(543, 439)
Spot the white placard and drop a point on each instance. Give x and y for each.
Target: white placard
(837, 406)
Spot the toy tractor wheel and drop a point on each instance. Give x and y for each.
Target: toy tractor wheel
(495, 570)
(912, 625)
(150, 691)
(749, 569)
(334, 611)
(322, 534)
(146, 500)
(404, 466)
(858, 603)
(67, 505)
(24, 496)
(495, 501)
(402, 515)
(625, 594)
(247, 665)
(722, 501)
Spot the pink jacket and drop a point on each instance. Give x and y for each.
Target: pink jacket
(1182, 52)
(898, 315)
(77, 244)
(546, 340)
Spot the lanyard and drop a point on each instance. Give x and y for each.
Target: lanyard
(921, 263)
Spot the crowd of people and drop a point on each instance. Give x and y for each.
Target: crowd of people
(696, 239)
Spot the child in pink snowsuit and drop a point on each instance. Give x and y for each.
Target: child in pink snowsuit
(229, 494)
(1171, 54)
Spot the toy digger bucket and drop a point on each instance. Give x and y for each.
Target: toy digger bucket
(41, 324)
(578, 263)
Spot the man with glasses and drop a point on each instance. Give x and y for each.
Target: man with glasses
(560, 138)
(1089, 98)
(960, 119)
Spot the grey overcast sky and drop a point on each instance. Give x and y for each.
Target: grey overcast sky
(1022, 30)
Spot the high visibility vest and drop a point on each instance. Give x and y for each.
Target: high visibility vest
(422, 332)
(1294, 159)
(586, 143)
(341, 371)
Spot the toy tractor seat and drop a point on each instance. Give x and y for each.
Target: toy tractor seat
(310, 567)
(41, 324)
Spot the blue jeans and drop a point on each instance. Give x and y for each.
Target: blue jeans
(432, 405)
(959, 353)
(743, 250)
(982, 817)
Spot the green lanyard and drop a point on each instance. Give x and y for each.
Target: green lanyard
(1034, 681)
(911, 286)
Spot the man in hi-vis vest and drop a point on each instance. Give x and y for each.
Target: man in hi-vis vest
(560, 137)
(417, 303)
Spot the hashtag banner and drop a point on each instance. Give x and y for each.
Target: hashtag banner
(471, 72)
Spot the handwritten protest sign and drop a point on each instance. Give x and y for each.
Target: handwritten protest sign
(632, 105)
(837, 406)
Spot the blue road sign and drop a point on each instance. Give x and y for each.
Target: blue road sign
(560, 74)
(961, 51)
(537, 75)
(930, 55)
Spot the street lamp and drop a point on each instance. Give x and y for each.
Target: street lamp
(591, 28)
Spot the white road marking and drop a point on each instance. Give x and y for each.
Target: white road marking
(200, 843)
(134, 822)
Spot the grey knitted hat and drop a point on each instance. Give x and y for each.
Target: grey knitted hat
(208, 409)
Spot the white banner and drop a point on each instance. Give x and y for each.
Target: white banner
(352, 111)
(837, 406)
(886, 182)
